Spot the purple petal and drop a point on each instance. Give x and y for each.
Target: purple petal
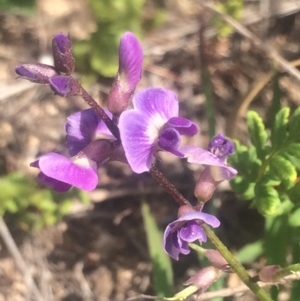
(192, 231)
(79, 172)
(157, 103)
(183, 126)
(53, 183)
(130, 61)
(65, 85)
(184, 248)
(219, 170)
(200, 156)
(198, 215)
(221, 173)
(82, 128)
(171, 245)
(138, 138)
(221, 146)
(169, 141)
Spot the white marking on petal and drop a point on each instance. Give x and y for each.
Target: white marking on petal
(84, 162)
(155, 124)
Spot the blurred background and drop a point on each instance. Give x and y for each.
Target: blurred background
(93, 246)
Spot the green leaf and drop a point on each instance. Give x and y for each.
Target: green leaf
(267, 199)
(162, 268)
(257, 132)
(294, 218)
(242, 187)
(245, 161)
(279, 131)
(250, 252)
(293, 149)
(276, 101)
(294, 126)
(284, 170)
(294, 194)
(286, 204)
(276, 240)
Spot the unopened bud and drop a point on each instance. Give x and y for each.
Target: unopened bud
(204, 278)
(62, 54)
(217, 260)
(65, 85)
(36, 73)
(205, 186)
(266, 274)
(129, 74)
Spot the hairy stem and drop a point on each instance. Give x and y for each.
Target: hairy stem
(94, 105)
(168, 187)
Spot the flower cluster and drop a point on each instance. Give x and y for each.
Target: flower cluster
(134, 136)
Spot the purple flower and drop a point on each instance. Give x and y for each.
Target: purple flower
(215, 168)
(214, 158)
(153, 125)
(187, 228)
(129, 73)
(90, 145)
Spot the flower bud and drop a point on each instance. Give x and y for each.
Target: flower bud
(205, 186)
(129, 73)
(62, 54)
(217, 260)
(36, 73)
(266, 274)
(204, 278)
(65, 85)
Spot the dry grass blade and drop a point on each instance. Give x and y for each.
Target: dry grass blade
(13, 249)
(270, 52)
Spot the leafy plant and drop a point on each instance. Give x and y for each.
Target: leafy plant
(234, 9)
(269, 168)
(99, 54)
(26, 7)
(32, 206)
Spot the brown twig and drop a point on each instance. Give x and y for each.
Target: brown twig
(270, 52)
(15, 253)
(225, 292)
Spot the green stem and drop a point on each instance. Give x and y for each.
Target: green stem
(294, 268)
(236, 266)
